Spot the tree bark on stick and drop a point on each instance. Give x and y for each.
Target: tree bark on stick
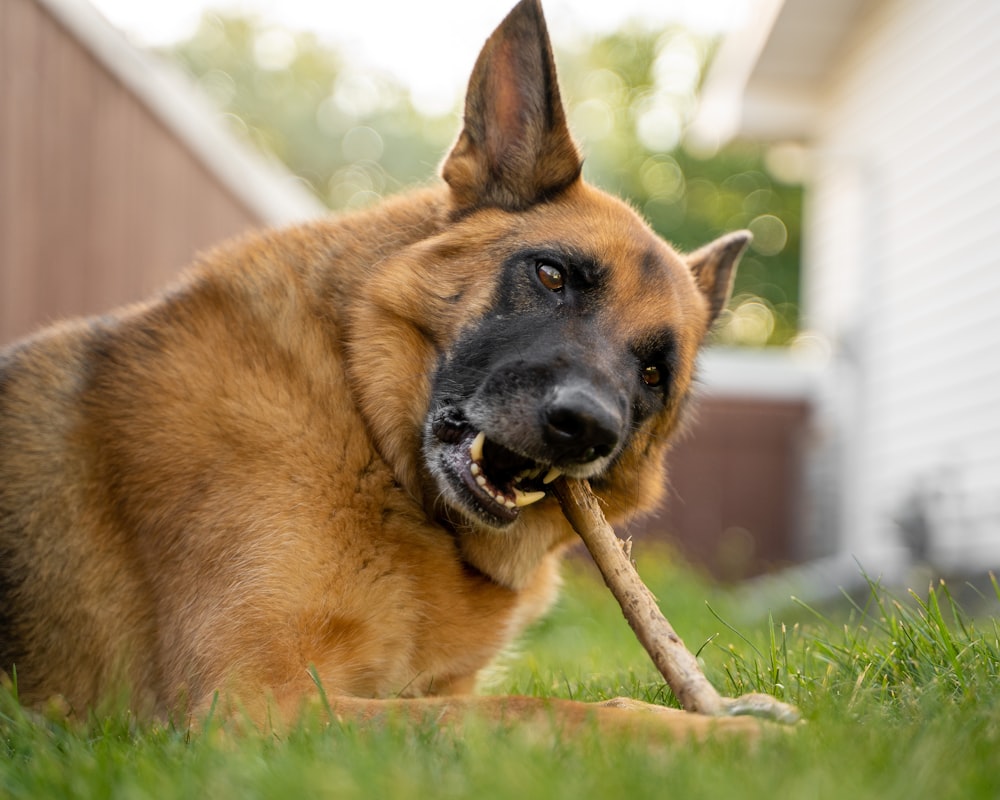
(675, 662)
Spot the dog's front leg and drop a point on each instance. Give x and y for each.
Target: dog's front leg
(535, 716)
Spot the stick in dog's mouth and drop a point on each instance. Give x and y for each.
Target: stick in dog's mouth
(674, 661)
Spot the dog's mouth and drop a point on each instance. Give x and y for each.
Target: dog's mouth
(488, 478)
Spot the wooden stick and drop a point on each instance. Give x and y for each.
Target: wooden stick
(674, 661)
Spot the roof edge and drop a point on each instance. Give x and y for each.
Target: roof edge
(718, 119)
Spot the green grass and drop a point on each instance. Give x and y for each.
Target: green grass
(901, 695)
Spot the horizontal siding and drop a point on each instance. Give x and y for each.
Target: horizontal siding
(915, 113)
(99, 203)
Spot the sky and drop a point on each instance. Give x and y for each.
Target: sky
(428, 45)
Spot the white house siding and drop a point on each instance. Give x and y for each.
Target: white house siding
(902, 272)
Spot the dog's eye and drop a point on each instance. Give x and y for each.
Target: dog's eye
(551, 276)
(651, 375)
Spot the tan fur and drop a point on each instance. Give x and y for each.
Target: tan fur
(223, 488)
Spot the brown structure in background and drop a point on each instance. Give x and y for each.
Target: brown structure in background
(734, 485)
(113, 175)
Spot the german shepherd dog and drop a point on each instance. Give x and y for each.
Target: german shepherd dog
(325, 455)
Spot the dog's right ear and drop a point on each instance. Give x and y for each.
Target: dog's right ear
(515, 148)
(714, 268)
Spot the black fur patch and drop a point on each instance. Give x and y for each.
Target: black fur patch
(11, 648)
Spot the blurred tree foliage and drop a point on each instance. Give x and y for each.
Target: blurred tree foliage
(353, 136)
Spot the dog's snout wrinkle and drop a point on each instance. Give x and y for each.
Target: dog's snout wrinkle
(581, 425)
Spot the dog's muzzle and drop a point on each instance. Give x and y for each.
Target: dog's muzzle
(492, 477)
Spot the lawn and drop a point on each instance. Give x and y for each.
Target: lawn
(900, 693)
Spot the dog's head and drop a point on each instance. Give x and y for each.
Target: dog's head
(559, 330)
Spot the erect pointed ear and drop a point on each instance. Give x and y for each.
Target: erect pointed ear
(714, 268)
(515, 148)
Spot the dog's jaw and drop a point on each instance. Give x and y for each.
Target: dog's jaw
(468, 484)
(486, 481)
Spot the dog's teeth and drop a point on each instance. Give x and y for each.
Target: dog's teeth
(522, 499)
(475, 469)
(528, 474)
(481, 480)
(551, 475)
(509, 503)
(476, 448)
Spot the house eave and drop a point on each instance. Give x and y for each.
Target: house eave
(768, 78)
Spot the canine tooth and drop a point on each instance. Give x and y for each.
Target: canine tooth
(509, 503)
(481, 480)
(474, 468)
(522, 499)
(476, 448)
(551, 475)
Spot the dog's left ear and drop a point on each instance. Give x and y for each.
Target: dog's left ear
(714, 268)
(515, 148)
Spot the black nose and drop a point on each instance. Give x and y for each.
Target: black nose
(580, 424)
